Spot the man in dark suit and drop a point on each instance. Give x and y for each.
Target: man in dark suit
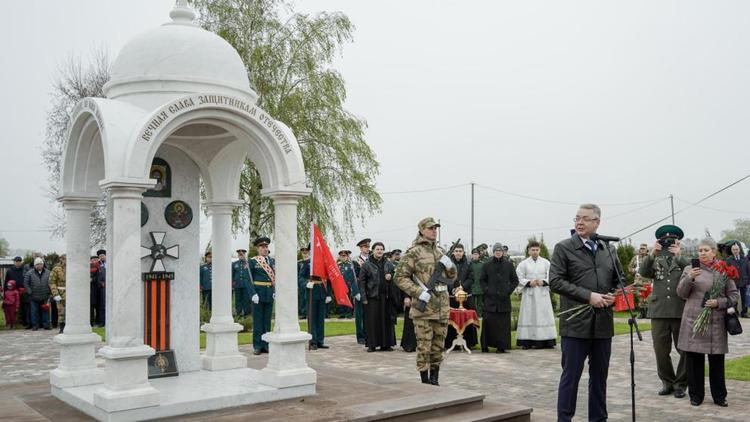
(582, 272)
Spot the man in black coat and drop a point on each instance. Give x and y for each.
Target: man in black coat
(498, 281)
(582, 272)
(17, 273)
(101, 285)
(738, 260)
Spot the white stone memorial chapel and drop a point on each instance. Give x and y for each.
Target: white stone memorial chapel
(179, 94)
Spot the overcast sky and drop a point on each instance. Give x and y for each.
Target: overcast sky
(588, 101)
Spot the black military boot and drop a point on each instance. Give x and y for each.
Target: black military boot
(434, 373)
(62, 327)
(425, 377)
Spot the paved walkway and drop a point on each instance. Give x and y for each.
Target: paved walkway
(525, 377)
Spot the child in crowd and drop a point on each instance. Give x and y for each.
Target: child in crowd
(11, 302)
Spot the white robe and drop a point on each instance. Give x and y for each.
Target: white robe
(536, 319)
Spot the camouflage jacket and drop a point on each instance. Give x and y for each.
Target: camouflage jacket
(57, 281)
(419, 261)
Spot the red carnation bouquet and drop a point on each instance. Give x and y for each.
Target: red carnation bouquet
(722, 272)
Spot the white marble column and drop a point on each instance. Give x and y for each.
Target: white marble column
(77, 344)
(287, 366)
(126, 384)
(221, 332)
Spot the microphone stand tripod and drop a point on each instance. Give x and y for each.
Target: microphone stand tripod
(633, 324)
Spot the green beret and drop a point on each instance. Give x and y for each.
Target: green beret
(669, 230)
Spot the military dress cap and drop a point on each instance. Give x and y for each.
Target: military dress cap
(426, 223)
(364, 242)
(669, 230)
(396, 251)
(101, 252)
(475, 250)
(261, 241)
(18, 258)
(345, 252)
(241, 250)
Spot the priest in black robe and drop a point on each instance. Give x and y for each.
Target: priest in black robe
(498, 281)
(380, 297)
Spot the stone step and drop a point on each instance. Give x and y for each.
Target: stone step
(489, 412)
(418, 402)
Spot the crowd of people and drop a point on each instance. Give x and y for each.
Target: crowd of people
(33, 295)
(689, 304)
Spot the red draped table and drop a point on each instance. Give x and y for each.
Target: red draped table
(460, 319)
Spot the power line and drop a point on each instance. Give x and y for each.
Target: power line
(424, 190)
(553, 201)
(705, 198)
(712, 208)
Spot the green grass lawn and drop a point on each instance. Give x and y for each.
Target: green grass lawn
(736, 369)
(346, 327)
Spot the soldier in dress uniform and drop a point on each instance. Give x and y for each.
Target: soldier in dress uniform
(665, 265)
(319, 292)
(241, 283)
(364, 251)
(263, 278)
(205, 280)
(430, 326)
(303, 276)
(348, 271)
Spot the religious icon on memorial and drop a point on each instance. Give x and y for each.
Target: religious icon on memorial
(144, 214)
(160, 172)
(178, 214)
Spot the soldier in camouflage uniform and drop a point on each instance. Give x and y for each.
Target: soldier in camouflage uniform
(414, 271)
(57, 285)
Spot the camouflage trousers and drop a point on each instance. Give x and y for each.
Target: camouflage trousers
(430, 342)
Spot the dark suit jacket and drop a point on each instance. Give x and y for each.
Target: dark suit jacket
(574, 273)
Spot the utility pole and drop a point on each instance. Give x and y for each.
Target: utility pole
(671, 201)
(472, 215)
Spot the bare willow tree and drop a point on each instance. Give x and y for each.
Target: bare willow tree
(75, 82)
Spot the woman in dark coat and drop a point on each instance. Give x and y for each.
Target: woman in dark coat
(498, 281)
(380, 298)
(465, 280)
(694, 285)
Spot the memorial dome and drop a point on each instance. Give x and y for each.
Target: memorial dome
(178, 57)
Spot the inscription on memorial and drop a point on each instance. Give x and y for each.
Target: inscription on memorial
(168, 112)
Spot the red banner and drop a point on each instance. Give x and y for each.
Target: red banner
(324, 267)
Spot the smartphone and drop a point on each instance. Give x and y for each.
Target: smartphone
(695, 263)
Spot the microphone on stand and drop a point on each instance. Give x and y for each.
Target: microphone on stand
(603, 238)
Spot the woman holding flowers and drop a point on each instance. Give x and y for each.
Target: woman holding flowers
(706, 290)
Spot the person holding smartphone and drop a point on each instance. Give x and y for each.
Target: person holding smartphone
(694, 286)
(665, 266)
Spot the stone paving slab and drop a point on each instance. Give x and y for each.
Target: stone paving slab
(526, 378)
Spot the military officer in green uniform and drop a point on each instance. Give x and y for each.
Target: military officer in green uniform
(664, 266)
(262, 281)
(319, 297)
(241, 283)
(303, 267)
(413, 272)
(205, 280)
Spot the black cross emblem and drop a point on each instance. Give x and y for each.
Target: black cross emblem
(157, 252)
